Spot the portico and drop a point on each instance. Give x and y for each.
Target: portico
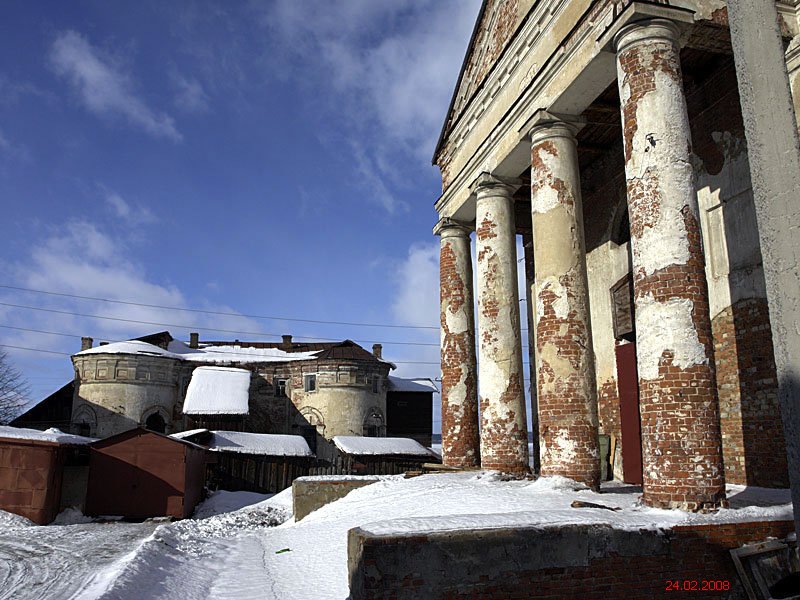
(592, 146)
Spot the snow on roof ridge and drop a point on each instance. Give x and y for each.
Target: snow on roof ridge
(413, 384)
(266, 444)
(356, 444)
(50, 435)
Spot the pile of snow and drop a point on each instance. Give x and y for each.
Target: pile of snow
(71, 516)
(223, 501)
(210, 354)
(400, 384)
(49, 435)
(11, 521)
(373, 446)
(218, 391)
(265, 444)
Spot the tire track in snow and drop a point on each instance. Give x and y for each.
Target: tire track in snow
(45, 562)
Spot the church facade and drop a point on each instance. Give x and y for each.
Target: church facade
(608, 137)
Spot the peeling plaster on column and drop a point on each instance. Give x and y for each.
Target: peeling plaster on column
(666, 327)
(566, 379)
(460, 441)
(674, 342)
(504, 437)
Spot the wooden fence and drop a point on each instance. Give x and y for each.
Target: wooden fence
(271, 474)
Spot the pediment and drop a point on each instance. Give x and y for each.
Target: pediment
(496, 23)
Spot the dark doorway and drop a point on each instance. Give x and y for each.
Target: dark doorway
(155, 422)
(630, 424)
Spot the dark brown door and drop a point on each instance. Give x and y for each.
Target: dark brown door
(630, 425)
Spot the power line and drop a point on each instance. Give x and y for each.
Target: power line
(213, 312)
(198, 327)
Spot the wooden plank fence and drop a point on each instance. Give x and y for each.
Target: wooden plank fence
(272, 474)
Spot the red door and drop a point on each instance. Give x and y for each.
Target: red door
(630, 425)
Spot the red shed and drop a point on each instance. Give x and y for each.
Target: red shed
(32, 468)
(140, 474)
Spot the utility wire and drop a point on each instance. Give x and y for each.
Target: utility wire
(212, 312)
(197, 327)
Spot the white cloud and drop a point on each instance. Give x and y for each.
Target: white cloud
(390, 89)
(417, 299)
(79, 258)
(12, 149)
(131, 215)
(190, 96)
(103, 87)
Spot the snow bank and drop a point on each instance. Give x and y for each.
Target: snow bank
(218, 391)
(265, 444)
(49, 435)
(354, 444)
(224, 501)
(11, 521)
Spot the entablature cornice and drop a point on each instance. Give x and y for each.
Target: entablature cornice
(563, 84)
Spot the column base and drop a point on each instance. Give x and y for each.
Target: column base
(686, 502)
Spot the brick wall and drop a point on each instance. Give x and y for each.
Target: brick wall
(574, 561)
(752, 432)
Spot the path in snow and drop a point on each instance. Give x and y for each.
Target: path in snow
(62, 561)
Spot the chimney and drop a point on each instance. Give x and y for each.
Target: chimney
(194, 340)
(86, 343)
(104, 343)
(286, 344)
(377, 350)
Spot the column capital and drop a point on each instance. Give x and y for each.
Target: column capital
(647, 30)
(447, 227)
(486, 184)
(545, 124)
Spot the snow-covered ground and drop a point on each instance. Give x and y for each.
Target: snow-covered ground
(260, 552)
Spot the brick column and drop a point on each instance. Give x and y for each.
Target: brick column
(504, 428)
(460, 437)
(567, 391)
(681, 443)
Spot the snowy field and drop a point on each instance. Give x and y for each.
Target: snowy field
(260, 552)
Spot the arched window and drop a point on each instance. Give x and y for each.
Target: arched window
(374, 423)
(84, 422)
(156, 422)
(309, 423)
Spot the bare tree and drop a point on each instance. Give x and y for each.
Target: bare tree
(14, 390)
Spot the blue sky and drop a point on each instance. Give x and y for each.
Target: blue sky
(264, 158)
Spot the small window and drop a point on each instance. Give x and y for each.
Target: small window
(280, 388)
(84, 429)
(375, 385)
(310, 383)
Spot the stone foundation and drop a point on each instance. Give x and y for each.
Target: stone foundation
(572, 561)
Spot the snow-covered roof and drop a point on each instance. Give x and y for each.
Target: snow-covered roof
(209, 354)
(266, 444)
(49, 435)
(217, 391)
(182, 435)
(356, 444)
(400, 384)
